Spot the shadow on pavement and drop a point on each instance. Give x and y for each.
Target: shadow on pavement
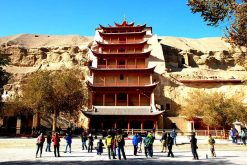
(134, 161)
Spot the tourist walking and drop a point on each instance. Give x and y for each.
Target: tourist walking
(56, 141)
(174, 136)
(194, 147)
(109, 143)
(148, 143)
(135, 143)
(48, 143)
(84, 140)
(90, 143)
(114, 145)
(234, 135)
(120, 143)
(211, 143)
(99, 147)
(243, 136)
(163, 140)
(68, 139)
(139, 137)
(169, 145)
(40, 142)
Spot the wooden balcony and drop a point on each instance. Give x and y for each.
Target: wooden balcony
(121, 84)
(124, 41)
(122, 66)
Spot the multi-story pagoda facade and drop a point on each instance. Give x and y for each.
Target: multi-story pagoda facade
(120, 83)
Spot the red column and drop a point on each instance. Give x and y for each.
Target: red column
(128, 125)
(139, 99)
(115, 125)
(115, 99)
(142, 126)
(103, 99)
(155, 124)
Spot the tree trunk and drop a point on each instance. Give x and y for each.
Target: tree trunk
(54, 122)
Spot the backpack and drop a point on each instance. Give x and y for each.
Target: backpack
(147, 141)
(40, 140)
(211, 141)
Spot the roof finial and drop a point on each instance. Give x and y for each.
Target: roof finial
(124, 18)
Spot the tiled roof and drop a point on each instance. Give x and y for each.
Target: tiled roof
(122, 110)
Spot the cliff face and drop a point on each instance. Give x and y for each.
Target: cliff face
(176, 59)
(36, 50)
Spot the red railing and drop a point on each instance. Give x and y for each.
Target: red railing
(124, 41)
(121, 66)
(120, 84)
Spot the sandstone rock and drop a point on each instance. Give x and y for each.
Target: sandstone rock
(74, 50)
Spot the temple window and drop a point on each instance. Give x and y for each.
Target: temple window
(122, 40)
(102, 61)
(121, 50)
(121, 77)
(121, 62)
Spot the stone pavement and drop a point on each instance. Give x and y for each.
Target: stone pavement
(22, 151)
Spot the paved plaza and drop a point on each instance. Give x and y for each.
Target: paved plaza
(22, 151)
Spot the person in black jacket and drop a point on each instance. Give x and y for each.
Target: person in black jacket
(100, 147)
(169, 145)
(84, 140)
(163, 140)
(90, 143)
(48, 145)
(194, 147)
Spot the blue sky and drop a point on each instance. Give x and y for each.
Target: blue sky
(61, 17)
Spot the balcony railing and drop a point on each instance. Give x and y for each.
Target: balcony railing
(122, 66)
(124, 41)
(121, 84)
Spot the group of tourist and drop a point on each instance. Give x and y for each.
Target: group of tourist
(115, 143)
(56, 143)
(235, 135)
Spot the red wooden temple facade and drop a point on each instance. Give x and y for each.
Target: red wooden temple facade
(120, 82)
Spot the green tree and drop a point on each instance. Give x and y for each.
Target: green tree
(4, 76)
(233, 13)
(54, 93)
(216, 109)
